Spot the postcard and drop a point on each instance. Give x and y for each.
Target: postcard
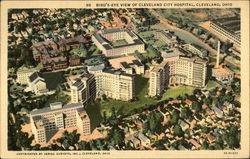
(124, 79)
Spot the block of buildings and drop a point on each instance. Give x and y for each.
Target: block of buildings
(82, 88)
(118, 41)
(129, 64)
(228, 27)
(196, 49)
(37, 84)
(23, 75)
(55, 63)
(166, 36)
(46, 122)
(112, 83)
(158, 81)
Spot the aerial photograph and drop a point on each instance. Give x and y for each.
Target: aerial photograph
(124, 79)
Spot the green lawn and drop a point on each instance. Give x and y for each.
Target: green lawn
(146, 34)
(211, 84)
(123, 107)
(150, 53)
(119, 42)
(159, 43)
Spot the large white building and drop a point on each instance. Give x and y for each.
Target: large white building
(46, 122)
(105, 42)
(82, 88)
(176, 70)
(113, 84)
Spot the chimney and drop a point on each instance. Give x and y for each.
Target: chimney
(218, 55)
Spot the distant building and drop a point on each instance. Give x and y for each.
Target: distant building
(55, 63)
(37, 84)
(166, 36)
(195, 49)
(113, 84)
(23, 75)
(74, 60)
(158, 81)
(83, 88)
(228, 27)
(104, 42)
(46, 122)
(129, 64)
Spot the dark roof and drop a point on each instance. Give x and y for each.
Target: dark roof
(231, 24)
(34, 76)
(138, 63)
(125, 64)
(77, 83)
(48, 109)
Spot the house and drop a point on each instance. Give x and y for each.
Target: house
(183, 124)
(211, 138)
(145, 141)
(218, 112)
(135, 141)
(55, 63)
(195, 143)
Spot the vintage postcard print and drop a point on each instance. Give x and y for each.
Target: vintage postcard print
(116, 79)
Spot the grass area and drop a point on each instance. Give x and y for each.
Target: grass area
(94, 113)
(53, 79)
(123, 107)
(159, 43)
(150, 53)
(94, 51)
(119, 42)
(211, 84)
(146, 34)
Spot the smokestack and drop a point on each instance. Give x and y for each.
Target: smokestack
(218, 55)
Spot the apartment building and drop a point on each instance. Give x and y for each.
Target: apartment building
(104, 42)
(195, 49)
(158, 81)
(23, 75)
(46, 122)
(82, 88)
(113, 84)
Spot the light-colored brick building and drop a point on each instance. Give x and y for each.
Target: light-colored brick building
(46, 122)
(104, 41)
(113, 84)
(23, 75)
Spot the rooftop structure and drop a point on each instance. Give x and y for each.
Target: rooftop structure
(166, 36)
(105, 42)
(129, 64)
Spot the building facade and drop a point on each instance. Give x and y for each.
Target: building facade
(158, 81)
(23, 75)
(177, 70)
(82, 88)
(113, 84)
(46, 122)
(104, 42)
(166, 36)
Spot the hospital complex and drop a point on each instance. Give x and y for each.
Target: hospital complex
(117, 82)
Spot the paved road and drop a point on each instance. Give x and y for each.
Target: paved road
(168, 25)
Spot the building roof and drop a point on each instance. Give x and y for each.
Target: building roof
(231, 24)
(48, 109)
(125, 65)
(59, 59)
(35, 76)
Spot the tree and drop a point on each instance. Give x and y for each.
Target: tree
(178, 130)
(175, 117)
(196, 106)
(186, 113)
